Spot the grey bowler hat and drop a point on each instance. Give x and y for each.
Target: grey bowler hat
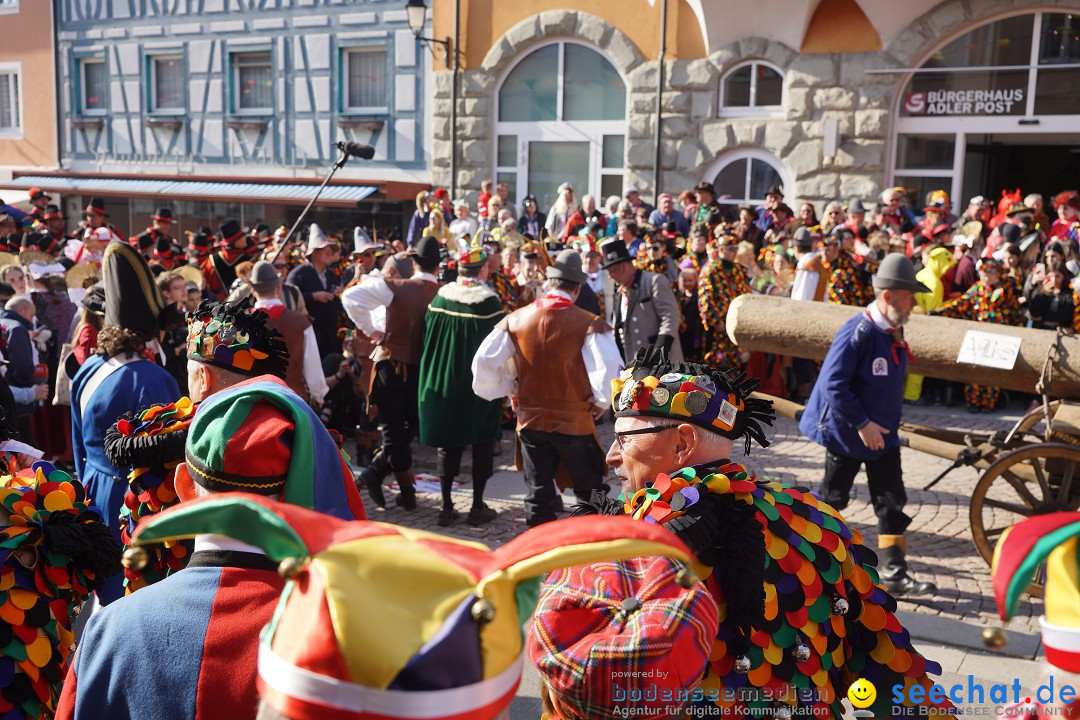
(897, 273)
(264, 277)
(567, 267)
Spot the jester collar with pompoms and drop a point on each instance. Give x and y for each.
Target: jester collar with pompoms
(717, 400)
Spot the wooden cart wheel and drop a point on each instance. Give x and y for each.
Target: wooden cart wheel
(1032, 480)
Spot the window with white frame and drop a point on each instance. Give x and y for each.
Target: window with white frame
(9, 6)
(744, 178)
(93, 85)
(10, 101)
(167, 83)
(752, 88)
(561, 118)
(252, 83)
(364, 77)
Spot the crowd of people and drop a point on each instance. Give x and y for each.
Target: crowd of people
(168, 376)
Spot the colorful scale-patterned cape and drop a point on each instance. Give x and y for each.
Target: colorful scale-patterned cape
(54, 551)
(720, 283)
(150, 443)
(983, 303)
(848, 282)
(811, 564)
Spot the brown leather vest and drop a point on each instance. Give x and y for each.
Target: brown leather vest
(291, 325)
(554, 394)
(405, 317)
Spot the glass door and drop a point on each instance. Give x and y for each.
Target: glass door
(553, 163)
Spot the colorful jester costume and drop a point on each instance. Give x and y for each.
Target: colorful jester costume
(989, 304)
(847, 282)
(55, 550)
(378, 622)
(151, 443)
(721, 282)
(506, 288)
(801, 612)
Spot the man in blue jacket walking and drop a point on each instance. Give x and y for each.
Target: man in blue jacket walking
(854, 412)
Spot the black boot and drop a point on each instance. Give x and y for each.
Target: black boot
(894, 574)
(373, 475)
(406, 498)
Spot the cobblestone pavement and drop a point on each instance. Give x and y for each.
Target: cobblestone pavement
(940, 538)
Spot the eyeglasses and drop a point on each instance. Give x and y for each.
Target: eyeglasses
(280, 267)
(656, 248)
(621, 436)
(834, 212)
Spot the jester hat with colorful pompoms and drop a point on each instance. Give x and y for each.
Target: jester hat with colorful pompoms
(379, 621)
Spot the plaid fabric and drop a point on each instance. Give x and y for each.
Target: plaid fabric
(622, 634)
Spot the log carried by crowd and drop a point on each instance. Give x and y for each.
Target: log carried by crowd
(1025, 472)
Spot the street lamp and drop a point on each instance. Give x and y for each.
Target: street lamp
(416, 12)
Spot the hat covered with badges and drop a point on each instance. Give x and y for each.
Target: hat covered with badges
(349, 639)
(234, 336)
(1052, 540)
(259, 436)
(606, 632)
(150, 444)
(55, 549)
(720, 401)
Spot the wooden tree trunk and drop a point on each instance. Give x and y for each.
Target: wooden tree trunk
(806, 329)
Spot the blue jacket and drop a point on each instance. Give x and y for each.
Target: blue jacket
(859, 382)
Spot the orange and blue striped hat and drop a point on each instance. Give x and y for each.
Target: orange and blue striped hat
(380, 622)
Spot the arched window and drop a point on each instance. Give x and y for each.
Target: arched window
(745, 177)
(752, 88)
(561, 118)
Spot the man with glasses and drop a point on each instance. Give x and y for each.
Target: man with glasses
(556, 362)
(770, 550)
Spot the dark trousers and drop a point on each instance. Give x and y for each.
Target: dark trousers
(483, 461)
(394, 392)
(886, 482)
(483, 467)
(541, 453)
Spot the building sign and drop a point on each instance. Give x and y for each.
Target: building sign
(964, 102)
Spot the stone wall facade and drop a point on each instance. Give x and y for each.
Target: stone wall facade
(695, 137)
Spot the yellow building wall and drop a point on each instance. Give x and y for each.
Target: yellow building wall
(483, 22)
(27, 41)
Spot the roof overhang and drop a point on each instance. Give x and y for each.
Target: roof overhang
(288, 192)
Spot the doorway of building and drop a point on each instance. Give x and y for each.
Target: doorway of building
(1036, 164)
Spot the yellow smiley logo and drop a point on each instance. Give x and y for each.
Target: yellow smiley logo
(862, 693)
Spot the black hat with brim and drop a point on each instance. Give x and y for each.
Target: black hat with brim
(428, 252)
(613, 252)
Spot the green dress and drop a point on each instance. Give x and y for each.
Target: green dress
(458, 320)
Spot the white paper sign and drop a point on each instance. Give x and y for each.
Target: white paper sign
(989, 350)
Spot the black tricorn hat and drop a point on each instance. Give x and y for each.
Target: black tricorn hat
(613, 252)
(132, 299)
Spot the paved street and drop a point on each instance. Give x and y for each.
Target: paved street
(940, 544)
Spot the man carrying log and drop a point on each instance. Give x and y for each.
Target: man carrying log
(854, 412)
